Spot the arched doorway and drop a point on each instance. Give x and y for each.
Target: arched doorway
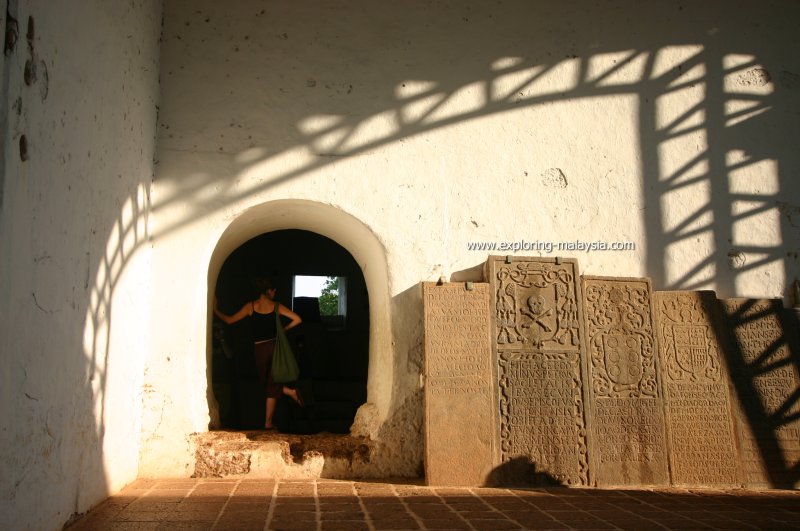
(332, 344)
(350, 235)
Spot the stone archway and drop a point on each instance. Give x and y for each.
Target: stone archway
(352, 235)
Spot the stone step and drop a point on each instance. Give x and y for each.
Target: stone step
(267, 454)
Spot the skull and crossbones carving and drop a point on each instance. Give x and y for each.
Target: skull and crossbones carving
(536, 312)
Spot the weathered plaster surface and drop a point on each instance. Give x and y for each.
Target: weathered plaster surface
(74, 279)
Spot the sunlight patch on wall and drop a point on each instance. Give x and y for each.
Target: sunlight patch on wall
(250, 155)
(330, 142)
(468, 99)
(412, 88)
(126, 237)
(749, 176)
(747, 84)
(416, 110)
(372, 130)
(682, 109)
(515, 85)
(677, 58)
(506, 63)
(618, 68)
(684, 159)
(756, 223)
(465, 100)
(319, 123)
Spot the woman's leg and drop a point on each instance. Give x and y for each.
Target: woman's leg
(294, 394)
(264, 351)
(271, 403)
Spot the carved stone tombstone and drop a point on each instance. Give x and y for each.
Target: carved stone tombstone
(537, 341)
(459, 387)
(765, 381)
(626, 399)
(699, 415)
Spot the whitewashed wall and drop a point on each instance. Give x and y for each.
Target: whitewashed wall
(75, 272)
(430, 125)
(404, 131)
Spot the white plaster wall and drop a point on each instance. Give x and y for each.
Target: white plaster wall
(438, 124)
(75, 270)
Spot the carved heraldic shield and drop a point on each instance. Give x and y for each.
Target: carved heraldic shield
(623, 358)
(691, 347)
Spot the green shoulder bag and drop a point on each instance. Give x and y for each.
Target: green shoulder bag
(284, 364)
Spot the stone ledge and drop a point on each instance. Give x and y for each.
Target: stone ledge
(264, 454)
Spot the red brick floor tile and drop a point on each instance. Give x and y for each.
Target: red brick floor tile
(350, 505)
(291, 526)
(202, 504)
(237, 504)
(491, 524)
(341, 515)
(388, 512)
(92, 523)
(394, 523)
(142, 516)
(295, 502)
(344, 525)
(239, 525)
(140, 484)
(185, 526)
(193, 516)
(132, 526)
(303, 516)
(146, 505)
(191, 504)
(470, 514)
(382, 504)
(445, 524)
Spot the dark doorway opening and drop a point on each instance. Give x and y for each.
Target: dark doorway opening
(331, 346)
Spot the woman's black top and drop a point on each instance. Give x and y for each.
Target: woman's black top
(264, 326)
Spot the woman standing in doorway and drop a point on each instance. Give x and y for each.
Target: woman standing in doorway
(262, 312)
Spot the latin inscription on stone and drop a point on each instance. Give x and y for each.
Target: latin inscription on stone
(537, 343)
(766, 385)
(626, 399)
(459, 386)
(699, 421)
(541, 407)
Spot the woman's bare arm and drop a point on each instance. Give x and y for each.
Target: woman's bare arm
(246, 310)
(296, 320)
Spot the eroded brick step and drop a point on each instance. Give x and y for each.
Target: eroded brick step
(264, 454)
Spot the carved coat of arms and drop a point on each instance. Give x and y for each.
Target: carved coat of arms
(536, 306)
(621, 339)
(623, 358)
(690, 351)
(691, 347)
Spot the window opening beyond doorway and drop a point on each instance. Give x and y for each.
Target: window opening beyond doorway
(328, 293)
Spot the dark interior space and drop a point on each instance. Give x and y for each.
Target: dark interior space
(332, 351)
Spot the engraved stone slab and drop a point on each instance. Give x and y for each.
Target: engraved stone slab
(537, 334)
(766, 384)
(460, 422)
(625, 389)
(699, 416)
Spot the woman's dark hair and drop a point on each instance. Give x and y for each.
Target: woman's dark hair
(263, 284)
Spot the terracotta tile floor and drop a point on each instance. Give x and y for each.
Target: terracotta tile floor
(228, 504)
